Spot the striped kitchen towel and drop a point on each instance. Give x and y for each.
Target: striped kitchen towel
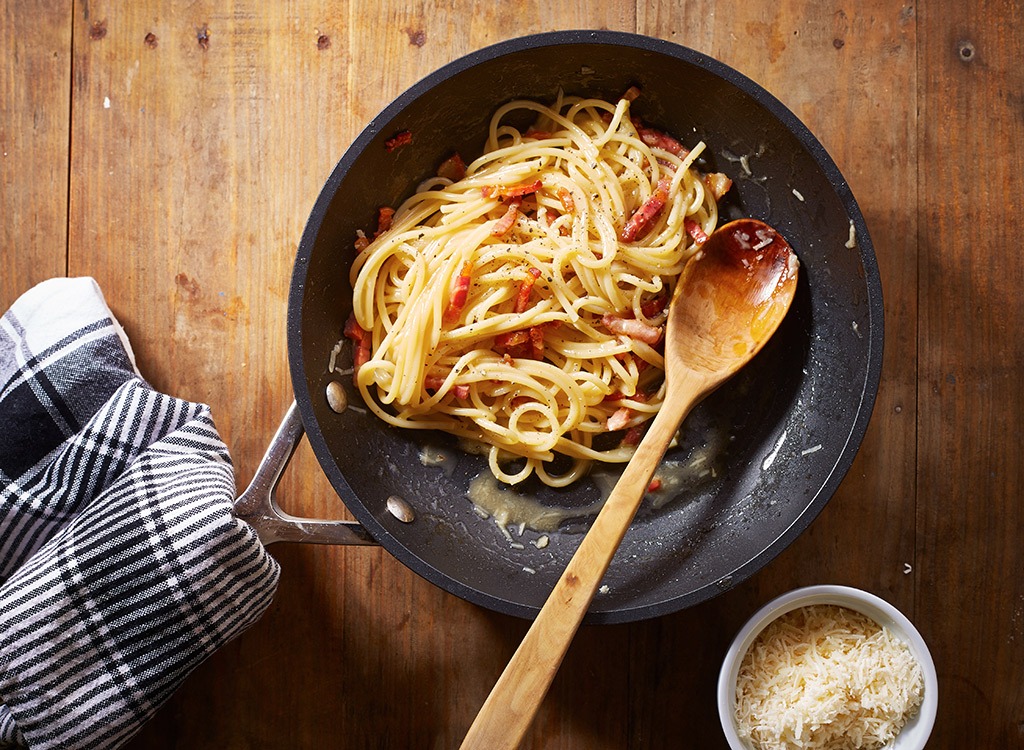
(121, 564)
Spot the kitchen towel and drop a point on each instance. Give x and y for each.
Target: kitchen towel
(122, 566)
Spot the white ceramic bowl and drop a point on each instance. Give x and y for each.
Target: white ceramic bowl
(914, 735)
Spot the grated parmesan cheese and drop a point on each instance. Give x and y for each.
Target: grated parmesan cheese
(852, 241)
(825, 676)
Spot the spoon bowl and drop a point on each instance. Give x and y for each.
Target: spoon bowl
(729, 300)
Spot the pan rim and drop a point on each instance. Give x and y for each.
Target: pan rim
(816, 151)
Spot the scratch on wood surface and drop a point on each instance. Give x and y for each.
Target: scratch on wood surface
(130, 76)
(203, 36)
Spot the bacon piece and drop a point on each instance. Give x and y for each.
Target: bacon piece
(655, 305)
(526, 289)
(634, 434)
(633, 328)
(403, 138)
(642, 364)
(501, 192)
(436, 382)
(504, 225)
(362, 241)
(452, 168)
(527, 343)
(619, 396)
(540, 135)
(659, 139)
(352, 329)
(567, 202)
(718, 184)
(511, 340)
(619, 419)
(385, 215)
(537, 341)
(362, 340)
(655, 485)
(696, 231)
(640, 222)
(564, 230)
(459, 293)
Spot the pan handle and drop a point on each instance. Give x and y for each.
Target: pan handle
(258, 506)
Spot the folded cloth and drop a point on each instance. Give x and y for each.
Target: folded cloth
(122, 566)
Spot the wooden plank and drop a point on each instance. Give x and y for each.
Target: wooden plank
(201, 136)
(444, 654)
(970, 401)
(826, 63)
(35, 85)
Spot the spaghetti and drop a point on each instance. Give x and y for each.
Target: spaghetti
(519, 302)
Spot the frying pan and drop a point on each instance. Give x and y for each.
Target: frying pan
(760, 458)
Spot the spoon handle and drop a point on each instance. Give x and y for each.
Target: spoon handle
(509, 709)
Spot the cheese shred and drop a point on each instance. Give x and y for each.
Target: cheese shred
(825, 676)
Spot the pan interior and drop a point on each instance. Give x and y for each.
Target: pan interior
(764, 453)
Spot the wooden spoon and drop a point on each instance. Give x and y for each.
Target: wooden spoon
(729, 299)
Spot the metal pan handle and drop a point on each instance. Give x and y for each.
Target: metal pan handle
(258, 507)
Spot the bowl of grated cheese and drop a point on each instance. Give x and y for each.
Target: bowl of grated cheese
(828, 667)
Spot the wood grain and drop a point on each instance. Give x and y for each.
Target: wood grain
(825, 63)
(35, 85)
(174, 150)
(200, 137)
(970, 400)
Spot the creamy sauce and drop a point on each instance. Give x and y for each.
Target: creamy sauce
(671, 477)
(510, 508)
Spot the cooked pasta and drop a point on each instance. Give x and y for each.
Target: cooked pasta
(519, 302)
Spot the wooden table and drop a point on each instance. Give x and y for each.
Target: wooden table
(173, 151)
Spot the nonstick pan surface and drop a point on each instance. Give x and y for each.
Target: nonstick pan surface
(768, 449)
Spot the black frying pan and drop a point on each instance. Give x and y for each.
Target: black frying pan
(778, 438)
